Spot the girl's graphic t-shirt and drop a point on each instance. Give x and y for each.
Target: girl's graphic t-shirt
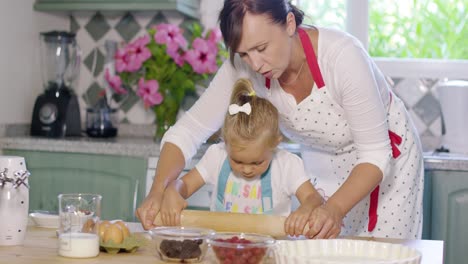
(245, 195)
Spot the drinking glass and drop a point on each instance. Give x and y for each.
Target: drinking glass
(79, 217)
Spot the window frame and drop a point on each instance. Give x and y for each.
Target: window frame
(357, 24)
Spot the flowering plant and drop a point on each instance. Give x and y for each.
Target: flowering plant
(162, 67)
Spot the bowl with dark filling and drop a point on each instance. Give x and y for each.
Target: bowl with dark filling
(181, 244)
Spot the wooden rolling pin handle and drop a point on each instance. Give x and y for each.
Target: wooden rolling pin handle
(233, 222)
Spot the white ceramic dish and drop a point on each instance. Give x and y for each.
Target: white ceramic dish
(45, 220)
(333, 251)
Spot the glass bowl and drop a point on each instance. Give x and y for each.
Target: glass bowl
(240, 247)
(181, 244)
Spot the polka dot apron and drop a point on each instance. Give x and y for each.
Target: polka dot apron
(394, 208)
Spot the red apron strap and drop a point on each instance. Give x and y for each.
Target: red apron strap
(311, 59)
(395, 140)
(267, 83)
(374, 202)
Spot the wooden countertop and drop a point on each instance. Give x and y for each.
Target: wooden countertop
(41, 247)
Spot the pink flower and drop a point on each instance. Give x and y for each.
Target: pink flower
(139, 47)
(176, 56)
(121, 60)
(131, 58)
(148, 91)
(171, 35)
(115, 82)
(215, 35)
(202, 57)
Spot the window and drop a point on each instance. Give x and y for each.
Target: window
(324, 12)
(436, 29)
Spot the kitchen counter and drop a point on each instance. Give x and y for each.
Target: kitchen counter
(40, 247)
(135, 141)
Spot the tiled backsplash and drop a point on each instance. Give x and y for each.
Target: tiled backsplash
(420, 98)
(94, 28)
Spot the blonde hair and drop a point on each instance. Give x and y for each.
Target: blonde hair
(260, 124)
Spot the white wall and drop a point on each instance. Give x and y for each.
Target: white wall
(20, 76)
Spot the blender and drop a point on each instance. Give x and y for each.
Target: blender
(56, 111)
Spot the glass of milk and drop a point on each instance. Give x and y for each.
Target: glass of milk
(78, 233)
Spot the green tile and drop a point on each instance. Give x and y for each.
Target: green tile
(97, 27)
(427, 133)
(189, 100)
(126, 101)
(127, 27)
(159, 18)
(187, 25)
(74, 26)
(91, 95)
(95, 62)
(427, 109)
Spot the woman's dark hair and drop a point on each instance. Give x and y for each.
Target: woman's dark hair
(232, 15)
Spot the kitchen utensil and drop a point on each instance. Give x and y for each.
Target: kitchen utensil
(101, 120)
(233, 222)
(45, 220)
(333, 251)
(230, 247)
(181, 244)
(56, 112)
(79, 212)
(14, 200)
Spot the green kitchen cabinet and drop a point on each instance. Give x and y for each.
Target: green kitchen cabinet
(119, 179)
(447, 216)
(188, 7)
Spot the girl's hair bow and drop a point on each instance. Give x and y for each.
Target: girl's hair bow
(235, 108)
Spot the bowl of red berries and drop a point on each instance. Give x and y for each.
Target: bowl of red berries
(237, 248)
(181, 244)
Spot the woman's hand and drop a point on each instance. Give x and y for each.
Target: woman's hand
(172, 205)
(325, 222)
(297, 220)
(149, 208)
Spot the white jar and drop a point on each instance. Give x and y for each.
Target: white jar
(14, 200)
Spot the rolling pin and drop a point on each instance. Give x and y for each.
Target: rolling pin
(233, 222)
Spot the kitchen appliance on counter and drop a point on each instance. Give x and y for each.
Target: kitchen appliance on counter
(453, 98)
(56, 112)
(101, 120)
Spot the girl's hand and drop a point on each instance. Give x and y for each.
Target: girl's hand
(297, 220)
(172, 205)
(149, 208)
(325, 222)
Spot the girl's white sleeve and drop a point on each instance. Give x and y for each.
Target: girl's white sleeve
(361, 88)
(293, 173)
(210, 164)
(206, 116)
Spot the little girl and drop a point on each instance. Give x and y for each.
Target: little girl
(249, 173)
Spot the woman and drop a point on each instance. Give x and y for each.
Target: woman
(358, 142)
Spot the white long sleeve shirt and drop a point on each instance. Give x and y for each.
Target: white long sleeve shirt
(351, 78)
